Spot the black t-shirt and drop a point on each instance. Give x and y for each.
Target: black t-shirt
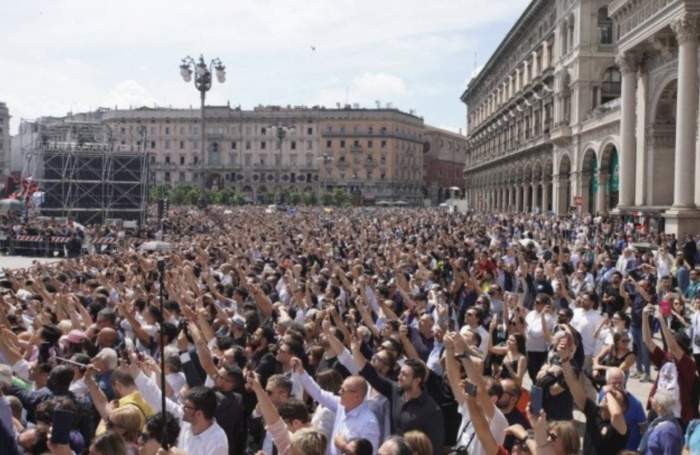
(601, 436)
(616, 304)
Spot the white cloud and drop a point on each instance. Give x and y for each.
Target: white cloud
(128, 93)
(365, 89)
(80, 54)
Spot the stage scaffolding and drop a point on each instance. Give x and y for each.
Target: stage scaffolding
(89, 182)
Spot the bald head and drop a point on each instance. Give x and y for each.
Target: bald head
(615, 377)
(353, 392)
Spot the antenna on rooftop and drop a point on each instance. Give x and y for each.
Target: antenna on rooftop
(378, 103)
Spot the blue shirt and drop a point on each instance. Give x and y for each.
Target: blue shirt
(692, 437)
(665, 439)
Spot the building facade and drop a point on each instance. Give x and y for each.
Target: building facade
(658, 58)
(5, 145)
(443, 164)
(605, 77)
(374, 154)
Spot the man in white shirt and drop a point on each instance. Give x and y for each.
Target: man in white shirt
(353, 417)
(199, 434)
(586, 321)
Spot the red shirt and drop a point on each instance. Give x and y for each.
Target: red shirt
(686, 381)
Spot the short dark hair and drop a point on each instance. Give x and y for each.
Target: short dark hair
(122, 377)
(109, 314)
(59, 379)
(50, 333)
(418, 368)
(155, 428)
(294, 409)
(281, 381)
(204, 399)
(362, 446)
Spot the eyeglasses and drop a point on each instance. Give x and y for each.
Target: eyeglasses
(625, 340)
(189, 407)
(552, 436)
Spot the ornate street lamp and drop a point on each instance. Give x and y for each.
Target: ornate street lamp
(202, 82)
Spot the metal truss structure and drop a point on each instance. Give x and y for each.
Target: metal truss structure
(89, 182)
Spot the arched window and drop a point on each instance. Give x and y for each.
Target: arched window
(605, 25)
(610, 88)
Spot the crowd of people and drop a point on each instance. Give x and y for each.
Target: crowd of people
(390, 332)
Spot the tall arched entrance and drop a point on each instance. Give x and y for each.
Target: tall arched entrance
(662, 142)
(589, 181)
(609, 179)
(564, 187)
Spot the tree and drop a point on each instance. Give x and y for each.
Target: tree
(327, 198)
(159, 192)
(341, 197)
(294, 197)
(309, 198)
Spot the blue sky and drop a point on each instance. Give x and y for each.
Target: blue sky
(63, 55)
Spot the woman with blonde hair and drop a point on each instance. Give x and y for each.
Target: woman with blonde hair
(419, 442)
(127, 421)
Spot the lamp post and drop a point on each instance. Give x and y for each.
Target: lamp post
(202, 82)
(325, 160)
(281, 131)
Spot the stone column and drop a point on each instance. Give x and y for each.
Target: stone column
(535, 68)
(627, 62)
(686, 31)
(518, 198)
(526, 197)
(601, 196)
(535, 198)
(545, 195)
(545, 55)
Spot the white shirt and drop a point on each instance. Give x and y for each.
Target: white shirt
(586, 322)
(212, 441)
(359, 422)
(695, 323)
(535, 341)
(469, 440)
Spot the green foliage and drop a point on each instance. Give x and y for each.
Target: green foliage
(341, 197)
(187, 194)
(159, 192)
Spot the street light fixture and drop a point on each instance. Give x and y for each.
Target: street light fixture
(202, 82)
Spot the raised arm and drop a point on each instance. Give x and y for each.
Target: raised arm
(319, 395)
(617, 415)
(99, 399)
(481, 427)
(367, 371)
(574, 384)
(646, 330)
(452, 367)
(408, 348)
(673, 346)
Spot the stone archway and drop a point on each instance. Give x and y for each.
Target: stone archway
(589, 181)
(609, 179)
(661, 145)
(564, 187)
(527, 188)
